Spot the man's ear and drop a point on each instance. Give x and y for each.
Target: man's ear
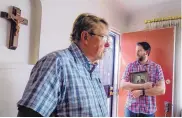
(84, 37)
(147, 53)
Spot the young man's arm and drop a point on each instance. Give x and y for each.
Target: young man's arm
(130, 86)
(159, 89)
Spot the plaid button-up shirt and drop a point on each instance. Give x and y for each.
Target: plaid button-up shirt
(67, 84)
(143, 104)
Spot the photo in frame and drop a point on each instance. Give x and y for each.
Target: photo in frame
(139, 77)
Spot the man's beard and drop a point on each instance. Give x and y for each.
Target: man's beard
(141, 58)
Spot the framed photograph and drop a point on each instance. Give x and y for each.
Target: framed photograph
(139, 77)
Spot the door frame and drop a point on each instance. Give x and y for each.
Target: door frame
(116, 74)
(174, 69)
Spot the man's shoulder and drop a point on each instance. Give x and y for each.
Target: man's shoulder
(61, 55)
(64, 54)
(132, 63)
(152, 63)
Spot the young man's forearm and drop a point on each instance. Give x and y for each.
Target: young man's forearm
(155, 91)
(131, 86)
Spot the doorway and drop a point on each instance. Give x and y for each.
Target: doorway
(109, 72)
(162, 52)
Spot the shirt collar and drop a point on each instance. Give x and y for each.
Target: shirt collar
(81, 58)
(147, 63)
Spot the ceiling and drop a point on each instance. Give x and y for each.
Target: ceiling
(134, 5)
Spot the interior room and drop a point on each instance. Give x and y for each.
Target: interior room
(45, 26)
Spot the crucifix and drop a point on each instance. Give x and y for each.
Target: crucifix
(15, 19)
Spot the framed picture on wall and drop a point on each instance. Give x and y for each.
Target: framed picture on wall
(139, 77)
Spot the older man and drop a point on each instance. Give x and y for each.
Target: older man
(66, 82)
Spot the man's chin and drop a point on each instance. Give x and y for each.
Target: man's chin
(101, 56)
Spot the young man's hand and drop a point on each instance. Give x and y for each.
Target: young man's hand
(136, 93)
(147, 85)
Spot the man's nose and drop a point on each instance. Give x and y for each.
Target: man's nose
(106, 45)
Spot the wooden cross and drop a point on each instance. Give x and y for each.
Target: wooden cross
(15, 19)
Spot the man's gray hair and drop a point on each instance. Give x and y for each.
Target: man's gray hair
(85, 22)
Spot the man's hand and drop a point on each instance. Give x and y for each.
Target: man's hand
(136, 93)
(147, 85)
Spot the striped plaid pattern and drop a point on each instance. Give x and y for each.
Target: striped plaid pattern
(143, 104)
(67, 84)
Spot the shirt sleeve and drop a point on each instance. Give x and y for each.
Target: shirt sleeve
(159, 73)
(126, 74)
(43, 89)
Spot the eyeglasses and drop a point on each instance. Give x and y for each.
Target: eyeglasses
(104, 37)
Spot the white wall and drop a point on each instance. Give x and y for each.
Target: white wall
(23, 53)
(13, 79)
(136, 23)
(58, 17)
(177, 75)
(137, 18)
(14, 64)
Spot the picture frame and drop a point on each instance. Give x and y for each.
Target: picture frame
(139, 77)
